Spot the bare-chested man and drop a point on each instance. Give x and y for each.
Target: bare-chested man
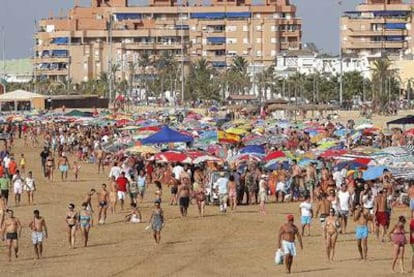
(103, 199)
(324, 205)
(381, 214)
(411, 195)
(361, 231)
(63, 164)
(11, 231)
(286, 241)
(100, 157)
(88, 199)
(39, 228)
(113, 194)
(184, 196)
(310, 179)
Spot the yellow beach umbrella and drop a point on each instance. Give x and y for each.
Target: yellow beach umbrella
(142, 149)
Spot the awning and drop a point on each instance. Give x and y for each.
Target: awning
(217, 15)
(216, 40)
(127, 16)
(60, 53)
(395, 26)
(238, 15)
(61, 40)
(394, 38)
(390, 13)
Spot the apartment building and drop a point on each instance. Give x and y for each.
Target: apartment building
(378, 27)
(83, 44)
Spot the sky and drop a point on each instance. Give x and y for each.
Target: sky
(320, 22)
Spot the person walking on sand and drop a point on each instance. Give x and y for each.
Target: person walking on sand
(11, 231)
(85, 223)
(39, 232)
(381, 215)
(306, 214)
(63, 164)
(113, 194)
(412, 242)
(18, 184)
(76, 169)
(411, 196)
(157, 221)
(232, 193)
(361, 231)
(331, 234)
(263, 188)
(398, 239)
(184, 197)
(30, 187)
(71, 221)
(103, 200)
(122, 184)
(286, 241)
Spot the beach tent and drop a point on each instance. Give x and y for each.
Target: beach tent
(22, 100)
(166, 135)
(409, 119)
(77, 113)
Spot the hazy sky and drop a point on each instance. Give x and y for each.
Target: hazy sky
(320, 21)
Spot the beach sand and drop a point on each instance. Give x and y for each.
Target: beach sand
(239, 244)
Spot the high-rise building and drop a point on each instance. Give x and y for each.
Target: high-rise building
(378, 27)
(85, 43)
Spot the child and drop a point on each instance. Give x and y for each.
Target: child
(76, 169)
(22, 164)
(134, 215)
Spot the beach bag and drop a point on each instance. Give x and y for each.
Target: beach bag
(279, 257)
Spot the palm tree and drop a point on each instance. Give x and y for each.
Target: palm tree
(144, 62)
(200, 84)
(238, 77)
(265, 81)
(382, 76)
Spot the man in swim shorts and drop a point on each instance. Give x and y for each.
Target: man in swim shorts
(39, 228)
(361, 231)
(287, 234)
(381, 214)
(11, 230)
(324, 205)
(103, 199)
(63, 166)
(184, 197)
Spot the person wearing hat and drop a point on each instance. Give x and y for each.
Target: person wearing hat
(221, 187)
(288, 232)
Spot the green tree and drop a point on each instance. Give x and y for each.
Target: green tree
(385, 84)
(237, 77)
(201, 83)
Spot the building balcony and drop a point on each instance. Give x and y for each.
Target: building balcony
(215, 46)
(130, 33)
(48, 59)
(366, 33)
(289, 45)
(49, 46)
(374, 44)
(169, 33)
(49, 72)
(296, 33)
(151, 46)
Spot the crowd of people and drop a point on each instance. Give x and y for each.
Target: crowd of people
(322, 190)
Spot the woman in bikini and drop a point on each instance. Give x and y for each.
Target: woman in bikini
(232, 193)
(50, 166)
(71, 221)
(398, 239)
(331, 233)
(85, 222)
(200, 197)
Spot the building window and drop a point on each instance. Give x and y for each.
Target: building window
(273, 28)
(259, 28)
(245, 52)
(273, 53)
(258, 15)
(258, 53)
(231, 40)
(245, 28)
(204, 53)
(258, 40)
(231, 28)
(276, 15)
(232, 53)
(245, 40)
(273, 40)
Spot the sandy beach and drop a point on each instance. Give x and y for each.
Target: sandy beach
(238, 244)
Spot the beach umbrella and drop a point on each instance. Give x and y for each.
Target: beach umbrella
(363, 126)
(352, 165)
(332, 153)
(273, 164)
(236, 131)
(306, 162)
(409, 132)
(171, 156)
(206, 158)
(213, 109)
(142, 149)
(373, 172)
(274, 155)
(253, 149)
(248, 157)
(364, 161)
(277, 139)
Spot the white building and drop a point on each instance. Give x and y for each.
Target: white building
(307, 62)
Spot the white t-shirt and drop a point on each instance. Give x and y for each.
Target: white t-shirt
(177, 170)
(339, 178)
(305, 209)
(343, 197)
(115, 172)
(280, 186)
